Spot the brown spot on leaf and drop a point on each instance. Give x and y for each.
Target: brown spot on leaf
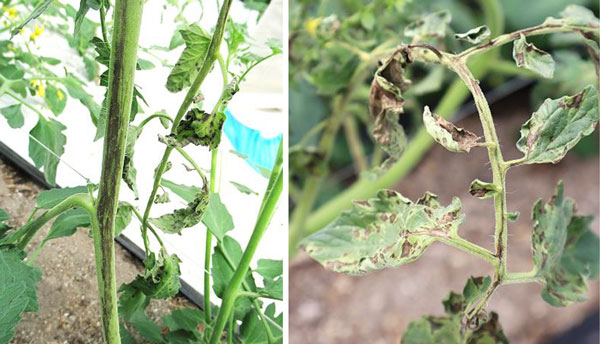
(406, 248)
(465, 139)
(572, 102)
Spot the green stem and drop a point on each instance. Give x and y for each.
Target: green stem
(126, 31)
(187, 157)
(153, 116)
(207, 65)
(254, 295)
(233, 287)
(355, 144)
(471, 248)
(208, 241)
(103, 21)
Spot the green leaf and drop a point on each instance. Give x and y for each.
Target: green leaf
(430, 26)
(512, 217)
(37, 11)
(383, 232)
(187, 193)
(123, 217)
(273, 288)
(565, 250)
(183, 319)
(367, 20)
(269, 268)
(475, 36)
(66, 224)
(76, 90)
(243, 188)
(144, 64)
(216, 218)
(11, 72)
(161, 276)
(56, 99)
(131, 301)
(252, 329)
(185, 70)
(186, 217)
(557, 126)
(80, 16)
(129, 171)
(529, 56)
(126, 337)
(44, 155)
(13, 115)
(226, 257)
(482, 190)
(49, 198)
(447, 134)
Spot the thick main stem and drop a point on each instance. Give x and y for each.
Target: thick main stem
(233, 287)
(123, 59)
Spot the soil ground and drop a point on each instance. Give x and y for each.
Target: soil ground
(69, 309)
(329, 308)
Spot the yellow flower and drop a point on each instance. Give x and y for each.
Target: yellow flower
(11, 13)
(312, 25)
(37, 31)
(40, 89)
(59, 95)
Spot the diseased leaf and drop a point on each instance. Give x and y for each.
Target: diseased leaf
(66, 224)
(476, 35)
(243, 188)
(163, 198)
(161, 276)
(383, 232)
(200, 128)
(225, 259)
(482, 190)
(44, 155)
(49, 198)
(565, 250)
(37, 11)
(217, 218)
(13, 115)
(191, 59)
(430, 26)
(305, 161)
(557, 126)
(447, 134)
(529, 56)
(185, 217)
(129, 171)
(188, 193)
(449, 329)
(386, 102)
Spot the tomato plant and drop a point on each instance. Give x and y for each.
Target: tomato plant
(391, 230)
(26, 76)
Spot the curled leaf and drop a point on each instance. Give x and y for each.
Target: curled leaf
(529, 56)
(512, 216)
(386, 101)
(189, 216)
(430, 26)
(565, 250)
(129, 171)
(161, 276)
(447, 134)
(200, 128)
(383, 232)
(482, 190)
(476, 35)
(557, 126)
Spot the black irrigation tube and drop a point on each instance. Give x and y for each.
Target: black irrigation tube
(10, 156)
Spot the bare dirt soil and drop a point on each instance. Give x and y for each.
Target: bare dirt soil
(327, 307)
(67, 294)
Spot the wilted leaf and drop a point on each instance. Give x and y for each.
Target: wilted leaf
(447, 134)
(383, 232)
(191, 59)
(44, 155)
(557, 126)
(161, 276)
(185, 217)
(430, 26)
(565, 250)
(200, 128)
(529, 56)
(482, 190)
(476, 35)
(386, 101)
(217, 218)
(243, 188)
(13, 115)
(162, 198)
